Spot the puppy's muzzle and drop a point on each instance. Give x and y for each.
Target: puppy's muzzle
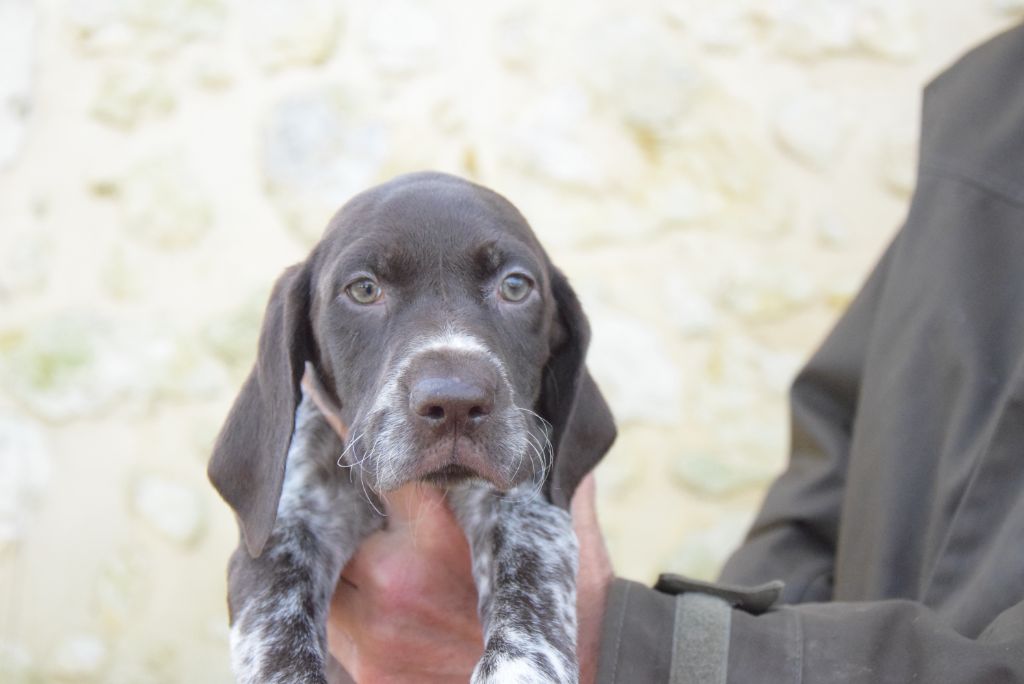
(454, 402)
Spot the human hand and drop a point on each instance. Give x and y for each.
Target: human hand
(406, 608)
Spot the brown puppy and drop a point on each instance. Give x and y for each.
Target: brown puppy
(434, 326)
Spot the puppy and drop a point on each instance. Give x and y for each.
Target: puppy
(438, 340)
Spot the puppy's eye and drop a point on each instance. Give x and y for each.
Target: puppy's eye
(364, 291)
(515, 287)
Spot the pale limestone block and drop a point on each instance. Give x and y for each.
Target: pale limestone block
(815, 28)
(681, 201)
(711, 475)
(625, 466)
(831, 230)
(700, 555)
(776, 370)
(121, 588)
(80, 657)
(18, 38)
(1008, 6)
(163, 204)
(100, 25)
(148, 28)
(617, 477)
(217, 631)
(692, 313)
(742, 385)
(718, 401)
(712, 165)
(24, 267)
(889, 29)
(161, 665)
(292, 33)
(558, 137)
(516, 39)
(768, 294)
(74, 366)
(402, 37)
(319, 149)
(25, 470)
(725, 26)
(172, 508)
(812, 28)
(736, 360)
(122, 276)
(548, 144)
(569, 217)
(202, 435)
(130, 94)
(210, 70)
(232, 336)
(50, 368)
(634, 369)
(17, 664)
(177, 368)
(840, 291)
(756, 444)
(898, 162)
(639, 69)
(812, 128)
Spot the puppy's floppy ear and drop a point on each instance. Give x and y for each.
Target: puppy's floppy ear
(248, 462)
(582, 427)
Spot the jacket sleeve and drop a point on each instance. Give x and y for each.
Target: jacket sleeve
(699, 638)
(871, 643)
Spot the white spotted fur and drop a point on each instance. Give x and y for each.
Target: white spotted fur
(336, 515)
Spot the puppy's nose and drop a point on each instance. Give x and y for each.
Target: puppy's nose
(451, 401)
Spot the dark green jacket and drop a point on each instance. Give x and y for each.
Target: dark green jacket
(898, 527)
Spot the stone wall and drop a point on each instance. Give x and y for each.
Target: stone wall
(715, 177)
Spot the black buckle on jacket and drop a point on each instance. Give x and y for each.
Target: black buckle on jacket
(753, 600)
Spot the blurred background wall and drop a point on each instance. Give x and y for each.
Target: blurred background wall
(715, 177)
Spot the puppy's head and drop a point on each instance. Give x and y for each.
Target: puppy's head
(438, 331)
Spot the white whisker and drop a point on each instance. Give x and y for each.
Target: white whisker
(348, 447)
(543, 451)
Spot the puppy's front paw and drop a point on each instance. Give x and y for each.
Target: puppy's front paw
(501, 668)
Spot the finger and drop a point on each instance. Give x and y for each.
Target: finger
(594, 558)
(584, 505)
(344, 606)
(336, 673)
(594, 577)
(342, 647)
(342, 623)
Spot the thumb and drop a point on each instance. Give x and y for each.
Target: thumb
(594, 558)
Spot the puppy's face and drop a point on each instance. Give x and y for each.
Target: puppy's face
(437, 331)
(434, 317)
